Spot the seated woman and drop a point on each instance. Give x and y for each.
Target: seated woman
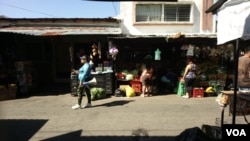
(146, 80)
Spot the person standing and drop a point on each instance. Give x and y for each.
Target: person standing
(146, 80)
(244, 71)
(189, 77)
(94, 57)
(84, 75)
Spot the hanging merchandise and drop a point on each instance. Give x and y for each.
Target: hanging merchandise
(203, 52)
(71, 50)
(231, 55)
(184, 47)
(208, 50)
(157, 54)
(213, 53)
(99, 50)
(113, 51)
(230, 48)
(173, 49)
(190, 51)
(94, 56)
(197, 52)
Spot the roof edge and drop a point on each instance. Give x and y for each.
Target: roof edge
(213, 9)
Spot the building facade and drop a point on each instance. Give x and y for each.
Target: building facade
(41, 52)
(167, 18)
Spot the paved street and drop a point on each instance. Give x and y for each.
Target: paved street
(161, 117)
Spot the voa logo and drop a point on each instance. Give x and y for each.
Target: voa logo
(236, 132)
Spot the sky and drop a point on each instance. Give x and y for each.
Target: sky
(58, 9)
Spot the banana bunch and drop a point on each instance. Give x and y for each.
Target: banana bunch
(209, 90)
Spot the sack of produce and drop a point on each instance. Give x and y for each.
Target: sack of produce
(130, 92)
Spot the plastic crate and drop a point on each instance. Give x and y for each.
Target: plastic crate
(198, 92)
(136, 85)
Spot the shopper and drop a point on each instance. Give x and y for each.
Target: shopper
(244, 72)
(146, 80)
(84, 75)
(189, 77)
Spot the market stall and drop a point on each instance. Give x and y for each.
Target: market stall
(235, 28)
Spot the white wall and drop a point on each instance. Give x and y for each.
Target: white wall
(127, 15)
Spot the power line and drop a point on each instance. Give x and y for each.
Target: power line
(33, 11)
(114, 8)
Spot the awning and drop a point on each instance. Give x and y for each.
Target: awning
(55, 31)
(237, 26)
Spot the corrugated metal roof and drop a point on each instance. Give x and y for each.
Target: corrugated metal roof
(169, 35)
(54, 31)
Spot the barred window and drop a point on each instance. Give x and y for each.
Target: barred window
(146, 12)
(170, 12)
(177, 13)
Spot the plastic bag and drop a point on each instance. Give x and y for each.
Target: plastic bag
(130, 92)
(120, 92)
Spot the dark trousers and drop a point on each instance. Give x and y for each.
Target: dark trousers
(80, 93)
(189, 83)
(82, 90)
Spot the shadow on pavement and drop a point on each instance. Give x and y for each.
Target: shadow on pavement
(24, 130)
(114, 103)
(138, 135)
(46, 90)
(19, 129)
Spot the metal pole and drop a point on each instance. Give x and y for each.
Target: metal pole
(236, 56)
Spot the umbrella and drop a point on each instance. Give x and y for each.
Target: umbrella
(233, 21)
(233, 24)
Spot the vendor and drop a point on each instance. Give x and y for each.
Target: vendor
(94, 56)
(244, 71)
(146, 79)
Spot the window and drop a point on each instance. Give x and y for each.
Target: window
(177, 13)
(170, 12)
(146, 12)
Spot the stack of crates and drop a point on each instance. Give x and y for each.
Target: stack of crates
(74, 84)
(221, 82)
(198, 93)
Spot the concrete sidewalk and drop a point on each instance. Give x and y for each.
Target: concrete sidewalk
(160, 117)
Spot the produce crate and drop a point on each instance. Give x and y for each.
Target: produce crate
(212, 76)
(204, 83)
(8, 93)
(136, 85)
(198, 93)
(222, 76)
(12, 91)
(221, 82)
